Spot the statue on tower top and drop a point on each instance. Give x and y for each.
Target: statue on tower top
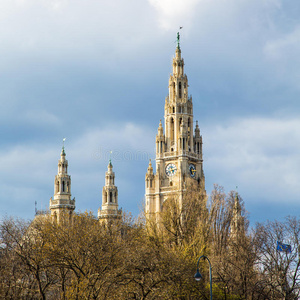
(178, 40)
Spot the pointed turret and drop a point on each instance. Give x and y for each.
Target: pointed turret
(110, 207)
(160, 140)
(150, 168)
(198, 141)
(61, 202)
(150, 183)
(178, 106)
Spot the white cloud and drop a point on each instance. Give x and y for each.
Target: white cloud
(27, 171)
(174, 13)
(283, 46)
(64, 28)
(125, 140)
(260, 155)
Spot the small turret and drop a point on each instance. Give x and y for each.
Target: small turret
(160, 129)
(150, 168)
(110, 207)
(160, 140)
(198, 141)
(61, 202)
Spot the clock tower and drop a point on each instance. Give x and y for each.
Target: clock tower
(178, 148)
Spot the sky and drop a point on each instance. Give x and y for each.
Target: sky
(96, 73)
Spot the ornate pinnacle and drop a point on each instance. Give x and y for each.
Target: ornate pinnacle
(63, 147)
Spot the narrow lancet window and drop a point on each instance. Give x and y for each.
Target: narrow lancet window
(172, 130)
(179, 89)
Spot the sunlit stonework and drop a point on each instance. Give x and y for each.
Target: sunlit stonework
(178, 149)
(110, 204)
(178, 158)
(62, 204)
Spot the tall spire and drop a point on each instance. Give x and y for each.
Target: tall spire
(110, 207)
(61, 202)
(178, 148)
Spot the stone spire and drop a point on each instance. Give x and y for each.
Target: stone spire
(61, 202)
(178, 106)
(160, 140)
(110, 204)
(178, 150)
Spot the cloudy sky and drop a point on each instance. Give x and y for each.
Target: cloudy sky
(96, 72)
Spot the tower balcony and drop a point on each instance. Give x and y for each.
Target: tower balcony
(178, 153)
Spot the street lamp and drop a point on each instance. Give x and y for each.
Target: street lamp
(198, 276)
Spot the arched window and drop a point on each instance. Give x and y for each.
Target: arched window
(63, 186)
(172, 130)
(110, 197)
(179, 90)
(173, 89)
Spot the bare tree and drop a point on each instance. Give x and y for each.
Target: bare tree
(280, 276)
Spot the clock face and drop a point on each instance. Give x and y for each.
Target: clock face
(171, 169)
(192, 170)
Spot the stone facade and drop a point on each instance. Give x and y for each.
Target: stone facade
(178, 149)
(62, 204)
(178, 158)
(110, 207)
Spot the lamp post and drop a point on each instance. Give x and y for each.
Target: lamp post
(198, 276)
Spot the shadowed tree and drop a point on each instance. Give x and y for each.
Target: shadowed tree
(279, 270)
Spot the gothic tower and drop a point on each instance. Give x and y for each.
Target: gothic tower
(179, 149)
(110, 204)
(61, 202)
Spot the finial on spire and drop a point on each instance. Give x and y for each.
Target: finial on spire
(110, 158)
(150, 169)
(63, 146)
(178, 38)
